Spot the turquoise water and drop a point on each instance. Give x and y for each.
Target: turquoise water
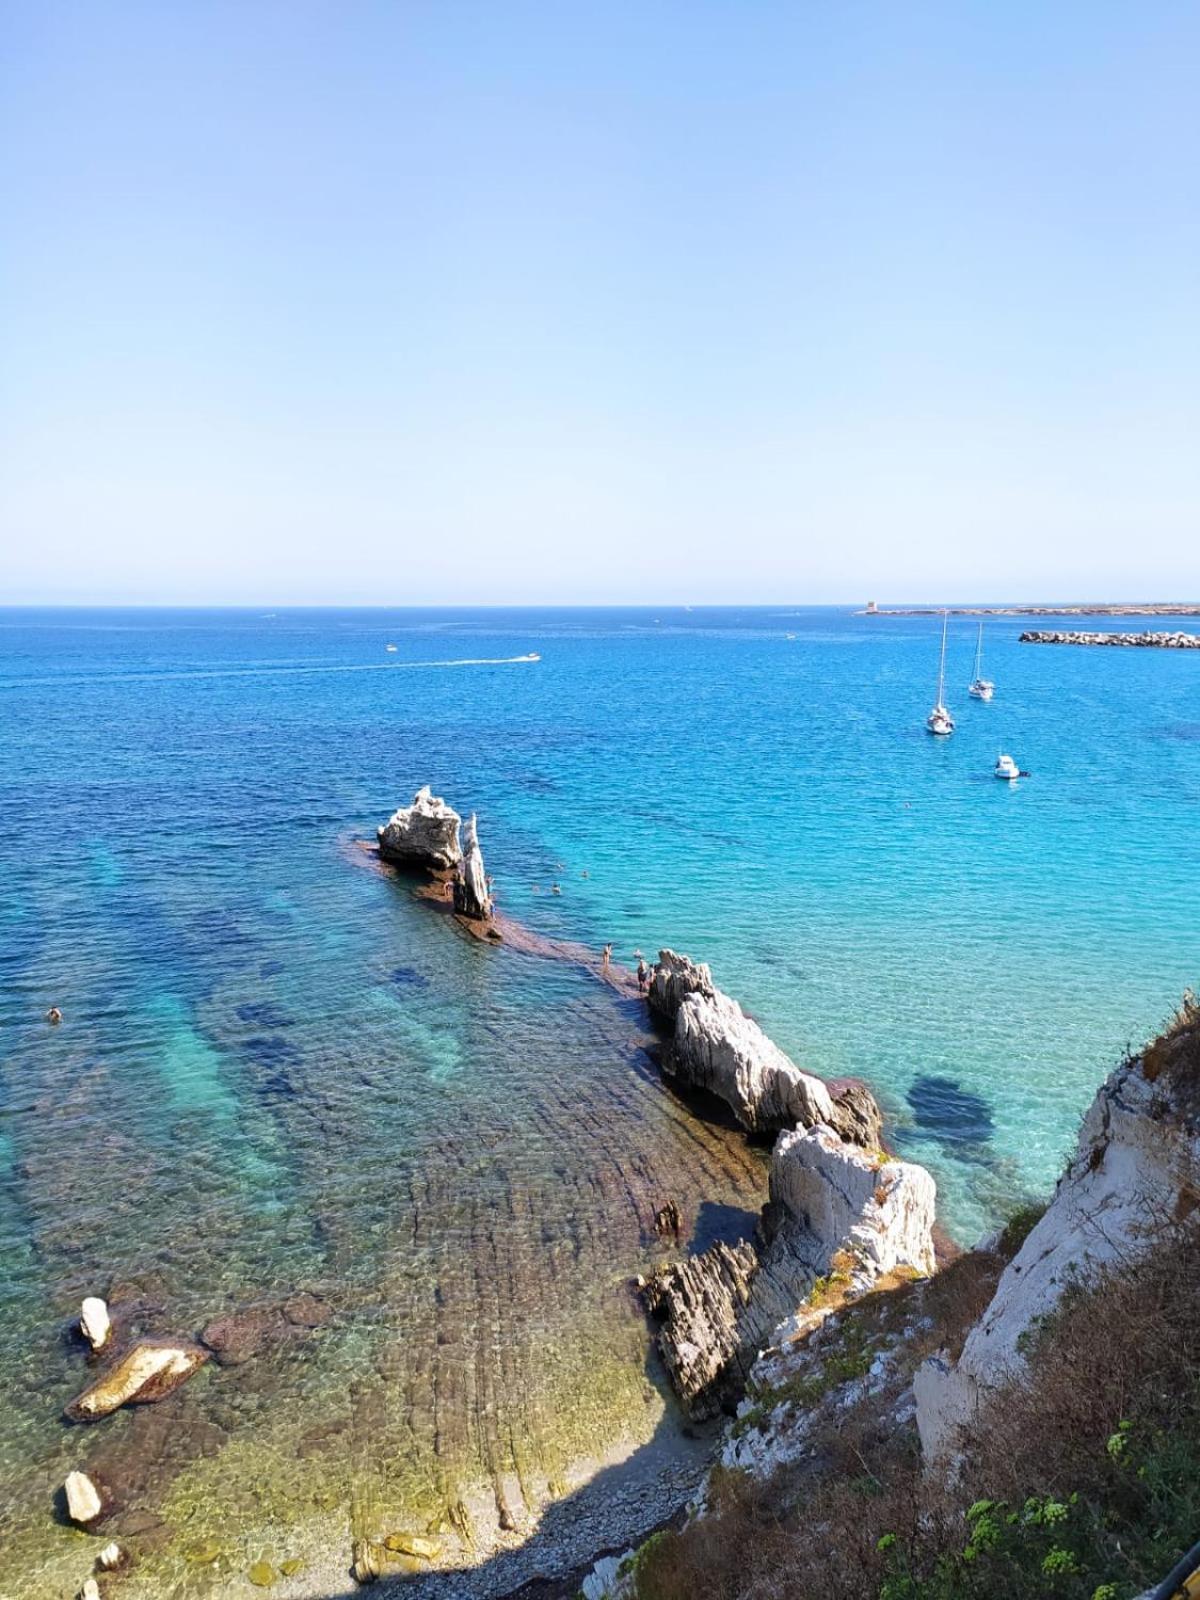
(277, 1071)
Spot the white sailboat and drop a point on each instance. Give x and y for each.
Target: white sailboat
(939, 720)
(980, 688)
(1006, 767)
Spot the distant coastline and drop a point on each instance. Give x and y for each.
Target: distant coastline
(1149, 609)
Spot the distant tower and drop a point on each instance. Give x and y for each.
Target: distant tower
(872, 608)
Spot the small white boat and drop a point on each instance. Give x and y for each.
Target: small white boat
(939, 721)
(532, 656)
(391, 649)
(1006, 767)
(980, 688)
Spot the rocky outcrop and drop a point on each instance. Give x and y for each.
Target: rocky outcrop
(471, 897)
(717, 1047)
(834, 1209)
(700, 1303)
(84, 1501)
(424, 834)
(94, 1322)
(672, 979)
(240, 1335)
(1136, 1169)
(1146, 640)
(150, 1371)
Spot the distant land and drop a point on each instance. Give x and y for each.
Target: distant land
(1149, 609)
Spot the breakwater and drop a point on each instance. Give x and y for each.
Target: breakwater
(1133, 641)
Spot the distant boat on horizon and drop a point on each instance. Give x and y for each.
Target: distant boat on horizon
(939, 721)
(980, 688)
(391, 648)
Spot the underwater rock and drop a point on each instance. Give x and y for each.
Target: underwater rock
(305, 1310)
(700, 1302)
(672, 978)
(94, 1322)
(413, 1544)
(424, 834)
(365, 1568)
(263, 1575)
(717, 1047)
(111, 1558)
(240, 1335)
(84, 1503)
(150, 1371)
(471, 898)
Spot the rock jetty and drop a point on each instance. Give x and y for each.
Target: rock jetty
(1142, 641)
(424, 834)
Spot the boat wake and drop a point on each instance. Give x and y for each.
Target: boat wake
(280, 671)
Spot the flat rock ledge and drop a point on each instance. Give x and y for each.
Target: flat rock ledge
(715, 1046)
(1145, 641)
(423, 835)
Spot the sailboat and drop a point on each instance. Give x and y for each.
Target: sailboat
(980, 688)
(939, 720)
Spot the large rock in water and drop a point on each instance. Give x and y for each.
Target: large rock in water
(424, 834)
(84, 1501)
(150, 1371)
(717, 1047)
(1134, 1169)
(672, 978)
(471, 897)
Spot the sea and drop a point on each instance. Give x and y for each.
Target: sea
(282, 1081)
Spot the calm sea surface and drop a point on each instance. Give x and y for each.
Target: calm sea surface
(278, 1073)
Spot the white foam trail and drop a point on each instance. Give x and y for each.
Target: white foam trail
(271, 672)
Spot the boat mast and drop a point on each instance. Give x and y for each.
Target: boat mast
(979, 652)
(942, 663)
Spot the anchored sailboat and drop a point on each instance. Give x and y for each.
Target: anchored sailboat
(980, 688)
(939, 720)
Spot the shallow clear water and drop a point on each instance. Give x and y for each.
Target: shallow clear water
(278, 1072)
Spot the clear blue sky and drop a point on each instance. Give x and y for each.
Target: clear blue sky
(390, 302)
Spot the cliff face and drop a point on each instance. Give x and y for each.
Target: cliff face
(1136, 1169)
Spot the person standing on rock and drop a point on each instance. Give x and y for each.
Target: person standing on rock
(606, 958)
(643, 972)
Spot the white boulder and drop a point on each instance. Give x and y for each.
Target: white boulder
(424, 834)
(84, 1504)
(94, 1323)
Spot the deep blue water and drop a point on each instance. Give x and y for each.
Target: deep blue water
(268, 1039)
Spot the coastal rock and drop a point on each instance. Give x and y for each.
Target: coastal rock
(414, 1544)
(84, 1502)
(700, 1303)
(150, 1371)
(94, 1322)
(1146, 640)
(1134, 1173)
(471, 897)
(424, 834)
(672, 978)
(90, 1590)
(856, 1115)
(717, 1047)
(111, 1557)
(612, 1578)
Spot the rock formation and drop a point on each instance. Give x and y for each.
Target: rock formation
(471, 897)
(149, 1371)
(424, 834)
(672, 978)
(717, 1047)
(84, 1502)
(94, 1323)
(1136, 1169)
(238, 1336)
(701, 1302)
(833, 1207)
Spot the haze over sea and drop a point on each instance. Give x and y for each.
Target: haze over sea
(277, 1070)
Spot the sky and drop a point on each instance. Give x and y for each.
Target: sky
(337, 301)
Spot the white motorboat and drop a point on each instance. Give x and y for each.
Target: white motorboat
(939, 721)
(980, 688)
(1006, 767)
(391, 649)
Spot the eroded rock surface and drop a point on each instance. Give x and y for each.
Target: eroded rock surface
(471, 897)
(700, 1302)
(672, 978)
(1135, 1169)
(149, 1371)
(424, 834)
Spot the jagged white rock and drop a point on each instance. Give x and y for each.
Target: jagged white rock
(1136, 1161)
(84, 1504)
(110, 1557)
(717, 1047)
(673, 978)
(90, 1590)
(94, 1322)
(471, 897)
(612, 1578)
(424, 834)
